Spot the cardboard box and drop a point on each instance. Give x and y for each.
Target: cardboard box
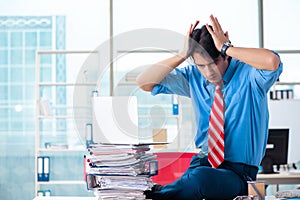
(160, 135)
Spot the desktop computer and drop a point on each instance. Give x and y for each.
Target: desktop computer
(277, 150)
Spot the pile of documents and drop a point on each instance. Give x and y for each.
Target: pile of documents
(120, 170)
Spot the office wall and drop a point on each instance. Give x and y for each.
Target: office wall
(286, 114)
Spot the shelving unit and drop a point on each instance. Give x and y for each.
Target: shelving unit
(291, 87)
(62, 124)
(62, 182)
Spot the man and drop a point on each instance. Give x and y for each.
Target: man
(244, 76)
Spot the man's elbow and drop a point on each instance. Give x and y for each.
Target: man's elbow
(143, 85)
(146, 88)
(274, 62)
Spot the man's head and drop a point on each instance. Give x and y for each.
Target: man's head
(202, 38)
(208, 59)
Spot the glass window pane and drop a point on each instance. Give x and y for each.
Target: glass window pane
(29, 125)
(46, 74)
(30, 39)
(3, 113)
(29, 93)
(29, 113)
(46, 92)
(3, 92)
(16, 116)
(16, 92)
(29, 74)
(16, 39)
(45, 59)
(16, 125)
(16, 57)
(290, 71)
(30, 57)
(45, 39)
(3, 57)
(3, 39)
(16, 74)
(281, 19)
(3, 126)
(3, 75)
(242, 30)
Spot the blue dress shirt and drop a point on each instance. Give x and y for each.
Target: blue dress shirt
(246, 106)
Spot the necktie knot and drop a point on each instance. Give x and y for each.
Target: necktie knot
(218, 85)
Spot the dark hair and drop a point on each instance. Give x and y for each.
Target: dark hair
(201, 39)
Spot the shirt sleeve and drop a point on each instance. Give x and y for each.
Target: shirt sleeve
(266, 78)
(176, 82)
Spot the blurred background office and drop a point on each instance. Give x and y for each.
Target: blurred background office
(30, 26)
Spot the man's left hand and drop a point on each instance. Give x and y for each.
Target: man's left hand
(217, 33)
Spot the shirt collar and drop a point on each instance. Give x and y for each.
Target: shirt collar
(229, 72)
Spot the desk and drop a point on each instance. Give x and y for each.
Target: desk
(279, 178)
(64, 198)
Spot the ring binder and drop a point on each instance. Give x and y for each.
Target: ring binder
(175, 104)
(40, 168)
(43, 167)
(89, 134)
(40, 193)
(46, 168)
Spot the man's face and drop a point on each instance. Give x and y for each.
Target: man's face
(212, 70)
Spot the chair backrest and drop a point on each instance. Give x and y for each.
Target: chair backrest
(171, 165)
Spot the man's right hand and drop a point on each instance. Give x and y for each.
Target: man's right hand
(184, 51)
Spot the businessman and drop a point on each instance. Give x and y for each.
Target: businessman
(228, 87)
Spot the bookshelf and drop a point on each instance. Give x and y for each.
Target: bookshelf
(61, 82)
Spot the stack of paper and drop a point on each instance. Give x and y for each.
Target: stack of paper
(120, 170)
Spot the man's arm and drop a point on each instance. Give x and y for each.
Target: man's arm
(157, 72)
(257, 57)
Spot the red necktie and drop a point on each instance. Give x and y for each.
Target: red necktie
(216, 130)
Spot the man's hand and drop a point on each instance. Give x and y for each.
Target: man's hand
(217, 33)
(183, 53)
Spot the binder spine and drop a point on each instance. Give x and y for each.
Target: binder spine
(40, 168)
(43, 166)
(46, 168)
(89, 134)
(174, 104)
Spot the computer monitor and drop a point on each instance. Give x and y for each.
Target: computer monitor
(277, 150)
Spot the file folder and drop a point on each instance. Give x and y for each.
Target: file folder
(43, 167)
(40, 168)
(46, 168)
(175, 104)
(40, 193)
(89, 134)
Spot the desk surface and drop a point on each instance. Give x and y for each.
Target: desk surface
(279, 178)
(64, 198)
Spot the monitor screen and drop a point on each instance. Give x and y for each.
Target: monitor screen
(277, 150)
